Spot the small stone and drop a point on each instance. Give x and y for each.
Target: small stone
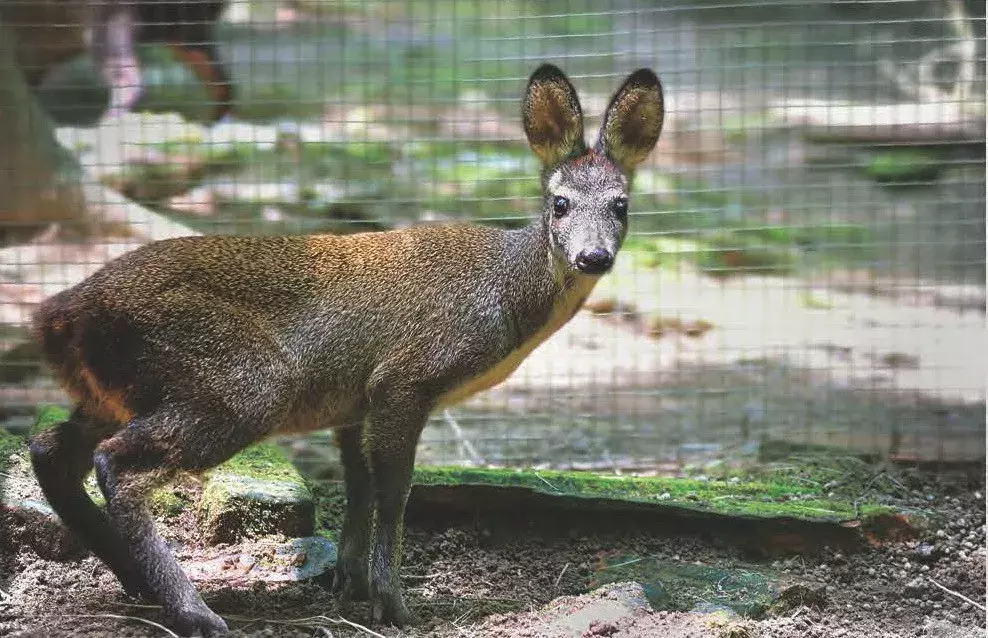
(915, 586)
(308, 557)
(924, 552)
(796, 595)
(601, 628)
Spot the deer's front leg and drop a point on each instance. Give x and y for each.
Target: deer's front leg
(393, 428)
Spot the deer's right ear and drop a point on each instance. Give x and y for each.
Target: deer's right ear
(552, 116)
(633, 121)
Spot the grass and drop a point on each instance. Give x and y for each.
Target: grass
(9, 444)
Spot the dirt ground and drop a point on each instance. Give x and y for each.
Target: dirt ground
(497, 579)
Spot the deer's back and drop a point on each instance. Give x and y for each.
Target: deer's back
(278, 316)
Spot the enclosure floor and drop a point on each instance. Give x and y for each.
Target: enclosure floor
(458, 575)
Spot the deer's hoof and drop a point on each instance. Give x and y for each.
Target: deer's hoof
(198, 622)
(391, 610)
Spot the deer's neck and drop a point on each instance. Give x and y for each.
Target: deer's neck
(539, 297)
(541, 293)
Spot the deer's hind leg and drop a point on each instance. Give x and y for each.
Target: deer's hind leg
(62, 457)
(351, 581)
(142, 456)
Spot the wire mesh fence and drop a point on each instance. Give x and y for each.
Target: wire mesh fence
(806, 259)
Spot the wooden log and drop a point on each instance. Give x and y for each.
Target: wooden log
(908, 123)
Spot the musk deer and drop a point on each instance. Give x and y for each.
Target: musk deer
(49, 33)
(186, 351)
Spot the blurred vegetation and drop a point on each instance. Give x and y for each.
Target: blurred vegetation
(405, 89)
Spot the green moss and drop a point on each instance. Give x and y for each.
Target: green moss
(257, 492)
(815, 301)
(48, 416)
(264, 461)
(329, 534)
(168, 501)
(92, 489)
(731, 252)
(903, 166)
(739, 128)
(770, 498)
(259, 102)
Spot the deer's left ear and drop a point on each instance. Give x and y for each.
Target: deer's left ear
(633, 120)
(552, 116)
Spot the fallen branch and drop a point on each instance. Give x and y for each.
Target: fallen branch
(310, 621)
(560, 576)
(957, 594)
(168, 632)
(865, 122)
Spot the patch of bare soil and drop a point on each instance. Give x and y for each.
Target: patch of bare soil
(501, 579)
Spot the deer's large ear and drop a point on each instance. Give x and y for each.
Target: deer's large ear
(552, 116)
(633, 120)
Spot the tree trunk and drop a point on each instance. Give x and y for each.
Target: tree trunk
(64, 215)
(42, 183)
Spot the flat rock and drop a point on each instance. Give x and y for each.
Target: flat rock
(258, 493)
(299, 559)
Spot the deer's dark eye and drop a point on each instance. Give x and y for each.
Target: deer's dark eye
(560, 206)
(620, 207)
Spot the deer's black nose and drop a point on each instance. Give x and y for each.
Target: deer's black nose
(595, 261)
